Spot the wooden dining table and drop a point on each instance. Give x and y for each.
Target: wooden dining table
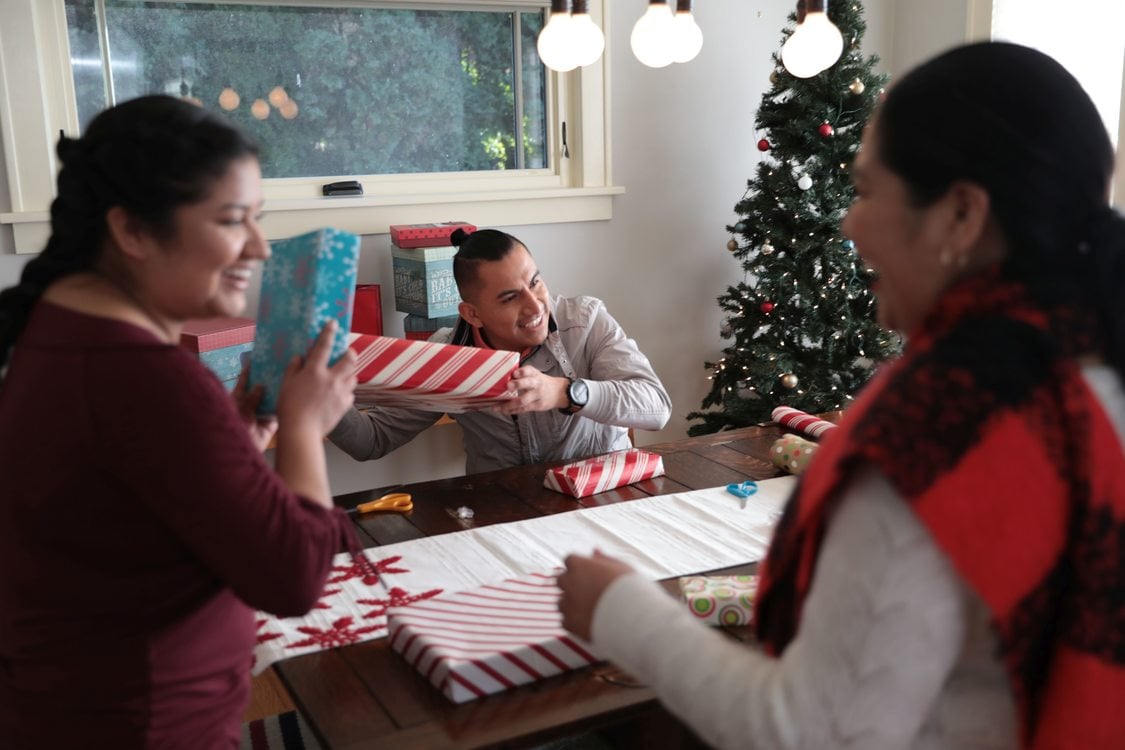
(367, 696)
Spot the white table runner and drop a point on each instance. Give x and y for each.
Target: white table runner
(662, 537)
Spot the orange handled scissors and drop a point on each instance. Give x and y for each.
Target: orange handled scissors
(395, 502)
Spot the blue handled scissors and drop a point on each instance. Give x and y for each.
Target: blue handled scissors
(742, 491)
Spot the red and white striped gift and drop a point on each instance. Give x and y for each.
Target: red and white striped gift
(425, 375)
(489, 639)
(795, 419)
(602, 473)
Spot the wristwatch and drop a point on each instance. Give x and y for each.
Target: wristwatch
(577, 394)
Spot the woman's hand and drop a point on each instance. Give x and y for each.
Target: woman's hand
(261, 429)
(313, 395)
(582, 584)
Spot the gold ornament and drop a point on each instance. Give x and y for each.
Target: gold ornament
(767, 248)
(732, 245)
(857, 87)
(260, 109)
(789, 380)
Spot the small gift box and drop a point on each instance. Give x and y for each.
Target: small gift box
(307, 281)
(424, 283)
(602, 473)
(487, 640)
(227, 363)
(425, 375)
(720, 600)
(221, 344)
(418, 328)
(208, 334)
(426, 235)
(792, 453)
(367, 310)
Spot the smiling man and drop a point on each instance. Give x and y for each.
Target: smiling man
(581, 385)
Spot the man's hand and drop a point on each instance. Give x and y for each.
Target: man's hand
(582, 584)
(534, 392)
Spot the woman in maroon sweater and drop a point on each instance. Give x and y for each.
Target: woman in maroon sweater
(140, 525)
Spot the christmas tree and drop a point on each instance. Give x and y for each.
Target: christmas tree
(803, 318)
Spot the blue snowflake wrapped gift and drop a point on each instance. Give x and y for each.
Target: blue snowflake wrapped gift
(307, 281)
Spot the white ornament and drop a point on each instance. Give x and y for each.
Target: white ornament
(767, 248)
(805, 182)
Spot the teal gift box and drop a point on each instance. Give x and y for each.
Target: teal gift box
(222, 344)
(424, 284)
(306, 282)
(227, 362)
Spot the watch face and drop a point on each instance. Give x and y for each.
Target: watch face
(578, 393)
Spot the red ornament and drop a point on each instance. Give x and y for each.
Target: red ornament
(826, 131)
(766, 307)
(763, 145)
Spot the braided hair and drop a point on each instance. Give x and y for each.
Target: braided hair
(149, 156)
(1013, 121)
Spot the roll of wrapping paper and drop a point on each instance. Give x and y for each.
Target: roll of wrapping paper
(795, 419)
(792, 453)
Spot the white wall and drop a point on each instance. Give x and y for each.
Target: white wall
(683, 147)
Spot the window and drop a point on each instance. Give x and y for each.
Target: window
(441, 109)
(1087, 37)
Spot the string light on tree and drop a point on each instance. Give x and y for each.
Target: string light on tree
(803, 308)
(229, 99)
(278, 96)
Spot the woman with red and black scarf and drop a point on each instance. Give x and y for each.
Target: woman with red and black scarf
(950, 573)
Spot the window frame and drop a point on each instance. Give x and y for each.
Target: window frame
(37, 101)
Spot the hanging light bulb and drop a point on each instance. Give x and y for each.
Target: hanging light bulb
(554, 44)
(652, 35)
(689, 37)
(260, 109)
(815, 44)
(586, 39)
(229, 99)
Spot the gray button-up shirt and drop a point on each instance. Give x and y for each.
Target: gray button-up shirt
(584, 342)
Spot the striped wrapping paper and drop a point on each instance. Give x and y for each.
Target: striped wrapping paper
(425, 375)
(488, 639)
(795, 419)
(602, 473)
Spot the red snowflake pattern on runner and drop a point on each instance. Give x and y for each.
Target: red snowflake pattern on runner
(340, 634)
(321, 604)
(367, 571)
(263, 637)
(396, 597)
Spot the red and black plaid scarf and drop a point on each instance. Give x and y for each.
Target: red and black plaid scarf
(987, 429)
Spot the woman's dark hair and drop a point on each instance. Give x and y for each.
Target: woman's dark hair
(149, 156)
(474, 248)
(1015, 122)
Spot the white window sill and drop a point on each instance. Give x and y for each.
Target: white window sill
(370, 214)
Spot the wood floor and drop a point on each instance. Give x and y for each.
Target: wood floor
(268, 696)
